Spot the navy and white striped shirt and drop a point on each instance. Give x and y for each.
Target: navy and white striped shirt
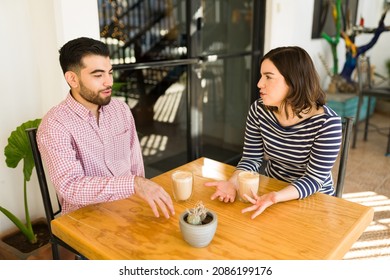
(302, 154)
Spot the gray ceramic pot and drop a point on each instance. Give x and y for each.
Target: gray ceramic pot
(198, 235)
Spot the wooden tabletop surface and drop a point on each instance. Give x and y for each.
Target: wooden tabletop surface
(317, 227)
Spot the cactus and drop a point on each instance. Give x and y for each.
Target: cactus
(197, 214)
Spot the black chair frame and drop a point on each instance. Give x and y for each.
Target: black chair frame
(344, 152)
(49, 212)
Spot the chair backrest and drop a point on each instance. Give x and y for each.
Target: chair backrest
(47, 203)
(347, 124)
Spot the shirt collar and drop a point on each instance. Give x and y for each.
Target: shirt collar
(79, 109)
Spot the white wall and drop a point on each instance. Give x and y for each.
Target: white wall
(31, 79)
(372, 10)
(32, 82)
(290, 22)
(21, 95)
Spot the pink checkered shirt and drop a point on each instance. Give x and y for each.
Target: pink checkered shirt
(89, 162)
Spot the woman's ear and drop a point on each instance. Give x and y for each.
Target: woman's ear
(72, 79)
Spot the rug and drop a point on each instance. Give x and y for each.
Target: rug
(375, 240)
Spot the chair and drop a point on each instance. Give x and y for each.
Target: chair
(365, 89)
(49, 212)
(344, 151)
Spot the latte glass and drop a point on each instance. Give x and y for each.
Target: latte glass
(182, 182)
(248, 182)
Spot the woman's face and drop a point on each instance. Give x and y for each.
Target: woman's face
(272, 85)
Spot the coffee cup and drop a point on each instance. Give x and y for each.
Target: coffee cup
(248, 182)
(182, 182)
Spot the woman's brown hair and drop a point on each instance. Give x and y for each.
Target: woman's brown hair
(297, 68)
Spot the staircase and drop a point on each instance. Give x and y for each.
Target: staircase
(139, 31)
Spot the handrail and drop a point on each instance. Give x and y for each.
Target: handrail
(183, 61)
(157, 63)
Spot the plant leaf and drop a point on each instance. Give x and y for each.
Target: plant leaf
(19, 148)
(29, 233)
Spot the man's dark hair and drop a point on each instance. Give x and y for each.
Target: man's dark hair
(72, 53)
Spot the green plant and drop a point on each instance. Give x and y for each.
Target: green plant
(334, 41)
(17, 149)
(197, 214)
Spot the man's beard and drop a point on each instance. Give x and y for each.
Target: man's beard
(94, 97)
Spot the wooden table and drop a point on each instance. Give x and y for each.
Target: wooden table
(318, 227)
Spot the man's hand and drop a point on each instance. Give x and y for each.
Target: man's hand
(154, 194)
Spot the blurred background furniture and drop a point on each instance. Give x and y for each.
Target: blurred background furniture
(365, 89)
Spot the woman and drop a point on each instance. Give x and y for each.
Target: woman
(291, 124)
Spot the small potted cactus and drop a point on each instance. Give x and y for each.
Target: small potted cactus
(198, 225)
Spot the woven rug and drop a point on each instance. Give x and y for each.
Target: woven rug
(375, 240)
(367, 182)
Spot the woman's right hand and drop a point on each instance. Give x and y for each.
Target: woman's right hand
(225, 190)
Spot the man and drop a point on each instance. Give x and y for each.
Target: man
(89, 141)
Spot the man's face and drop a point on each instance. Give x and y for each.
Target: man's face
(95, 80)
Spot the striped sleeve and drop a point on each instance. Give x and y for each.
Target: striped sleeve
(323, 155)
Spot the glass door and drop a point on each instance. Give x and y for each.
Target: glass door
(226, 38)
(186, 69)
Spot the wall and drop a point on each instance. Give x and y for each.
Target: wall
(372, 11)
(32, 81)
(290, 22)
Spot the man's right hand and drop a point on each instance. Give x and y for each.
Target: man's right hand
(154, 195)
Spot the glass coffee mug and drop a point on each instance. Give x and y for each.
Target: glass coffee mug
(248, 182)
(182, 182)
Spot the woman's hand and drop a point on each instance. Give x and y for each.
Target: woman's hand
(260, 203)
(225, 191)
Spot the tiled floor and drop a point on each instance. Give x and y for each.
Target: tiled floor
(368, 169)
(367, 182)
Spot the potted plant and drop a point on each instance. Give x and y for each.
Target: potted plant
(17, 149)
(198, 225)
